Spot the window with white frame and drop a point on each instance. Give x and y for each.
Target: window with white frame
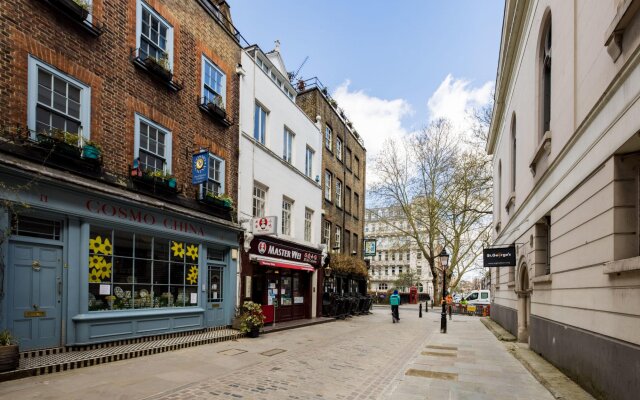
(327, 185)
(383, 286)
(308, 217)
(326, 234)
(259, 199)
(214, 84)
(260, 123)
(287, 145)
(338, 239)
(215, 181)
(328, 138)
(339, 148)
(287, 205)
(154, 35)
(152, 145)
(308, 162)
(57, 101)
(338, 193)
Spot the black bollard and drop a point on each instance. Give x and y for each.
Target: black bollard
(420, 310)
(426, 306)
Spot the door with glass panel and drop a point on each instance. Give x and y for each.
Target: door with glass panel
(285, 311)
(215, 287)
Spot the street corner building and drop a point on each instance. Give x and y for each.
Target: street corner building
(108, 238)
(566, 167)
(279, 197)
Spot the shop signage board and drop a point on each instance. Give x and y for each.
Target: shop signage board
(264, 225)
(268, 248)
(200, 168)
(499, 257)
(369, 247)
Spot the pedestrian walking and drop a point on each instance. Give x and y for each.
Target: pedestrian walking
(449, 304)
(426, 303)
(394, 300)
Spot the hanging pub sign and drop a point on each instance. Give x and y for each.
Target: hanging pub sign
(369, 247)
(264, 225)
(499, 257)
(200, 168)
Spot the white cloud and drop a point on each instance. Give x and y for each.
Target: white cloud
(455, 98)
(374, 118)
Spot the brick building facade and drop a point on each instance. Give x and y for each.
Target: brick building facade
(343, 181)
(151, 82)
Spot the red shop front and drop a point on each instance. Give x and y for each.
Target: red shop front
(282, 277)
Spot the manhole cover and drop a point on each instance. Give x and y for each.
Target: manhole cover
(433, 346)
(272, 352)
(447, 376)
(232, 352)
(435, 353)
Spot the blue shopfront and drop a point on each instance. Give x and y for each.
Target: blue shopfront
(91, 266)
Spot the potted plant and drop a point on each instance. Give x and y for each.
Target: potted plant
(222, 200)
(217, 106)
(251, 318)
(159, 66)
(79, 9)
(171, 181)
(91, 150)
(9, 354)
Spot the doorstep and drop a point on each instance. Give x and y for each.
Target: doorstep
(47, 361)
(298, 323)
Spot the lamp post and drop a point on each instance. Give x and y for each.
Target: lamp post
(444, 263)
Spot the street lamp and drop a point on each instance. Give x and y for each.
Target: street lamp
(444, 263)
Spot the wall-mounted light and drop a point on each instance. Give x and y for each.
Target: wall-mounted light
(234, 254)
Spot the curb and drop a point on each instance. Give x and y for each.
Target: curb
(499, 332)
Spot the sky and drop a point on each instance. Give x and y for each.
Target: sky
(393, 66)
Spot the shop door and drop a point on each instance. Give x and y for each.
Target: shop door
(215, 295)
(300, 290)
(35, 294)
(285, 309)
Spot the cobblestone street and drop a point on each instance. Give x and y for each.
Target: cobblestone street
(364, 357)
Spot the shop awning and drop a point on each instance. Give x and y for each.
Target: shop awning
(278, 263)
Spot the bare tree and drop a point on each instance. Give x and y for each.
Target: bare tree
(443, 192)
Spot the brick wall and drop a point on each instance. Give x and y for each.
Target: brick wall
(313, 103)
(118, 88)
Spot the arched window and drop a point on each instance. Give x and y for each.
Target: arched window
(513, 154)
(545, 69)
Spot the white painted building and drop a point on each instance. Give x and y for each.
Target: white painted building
(279, 167)
(396, 253)
(566, 154)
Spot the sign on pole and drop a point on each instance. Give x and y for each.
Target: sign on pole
(369, 247)
(264, 225)
(200, 168)
(499, 257)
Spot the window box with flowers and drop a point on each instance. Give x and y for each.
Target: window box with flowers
(251, 318)
(157, 181)
(220, 204)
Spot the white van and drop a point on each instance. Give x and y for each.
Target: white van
(479, 297)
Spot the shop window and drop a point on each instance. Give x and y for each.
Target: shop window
(260, 124)
(154, 35)
(152, 145)
(259, 199)
(214, 84)
(22, 225)
(136, 271)
(57, 101)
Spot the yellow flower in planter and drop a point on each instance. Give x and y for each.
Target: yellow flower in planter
(178, 249)
(192, 277)
(192, 251)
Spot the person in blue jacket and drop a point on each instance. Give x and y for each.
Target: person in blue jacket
(394, 300)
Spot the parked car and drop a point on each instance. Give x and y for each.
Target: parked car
(479, 297)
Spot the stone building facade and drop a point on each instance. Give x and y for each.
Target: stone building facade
(395, 253)
(564, 140)
(121, 245)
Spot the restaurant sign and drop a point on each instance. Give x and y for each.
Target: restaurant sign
(499, 257)
(271, 249)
